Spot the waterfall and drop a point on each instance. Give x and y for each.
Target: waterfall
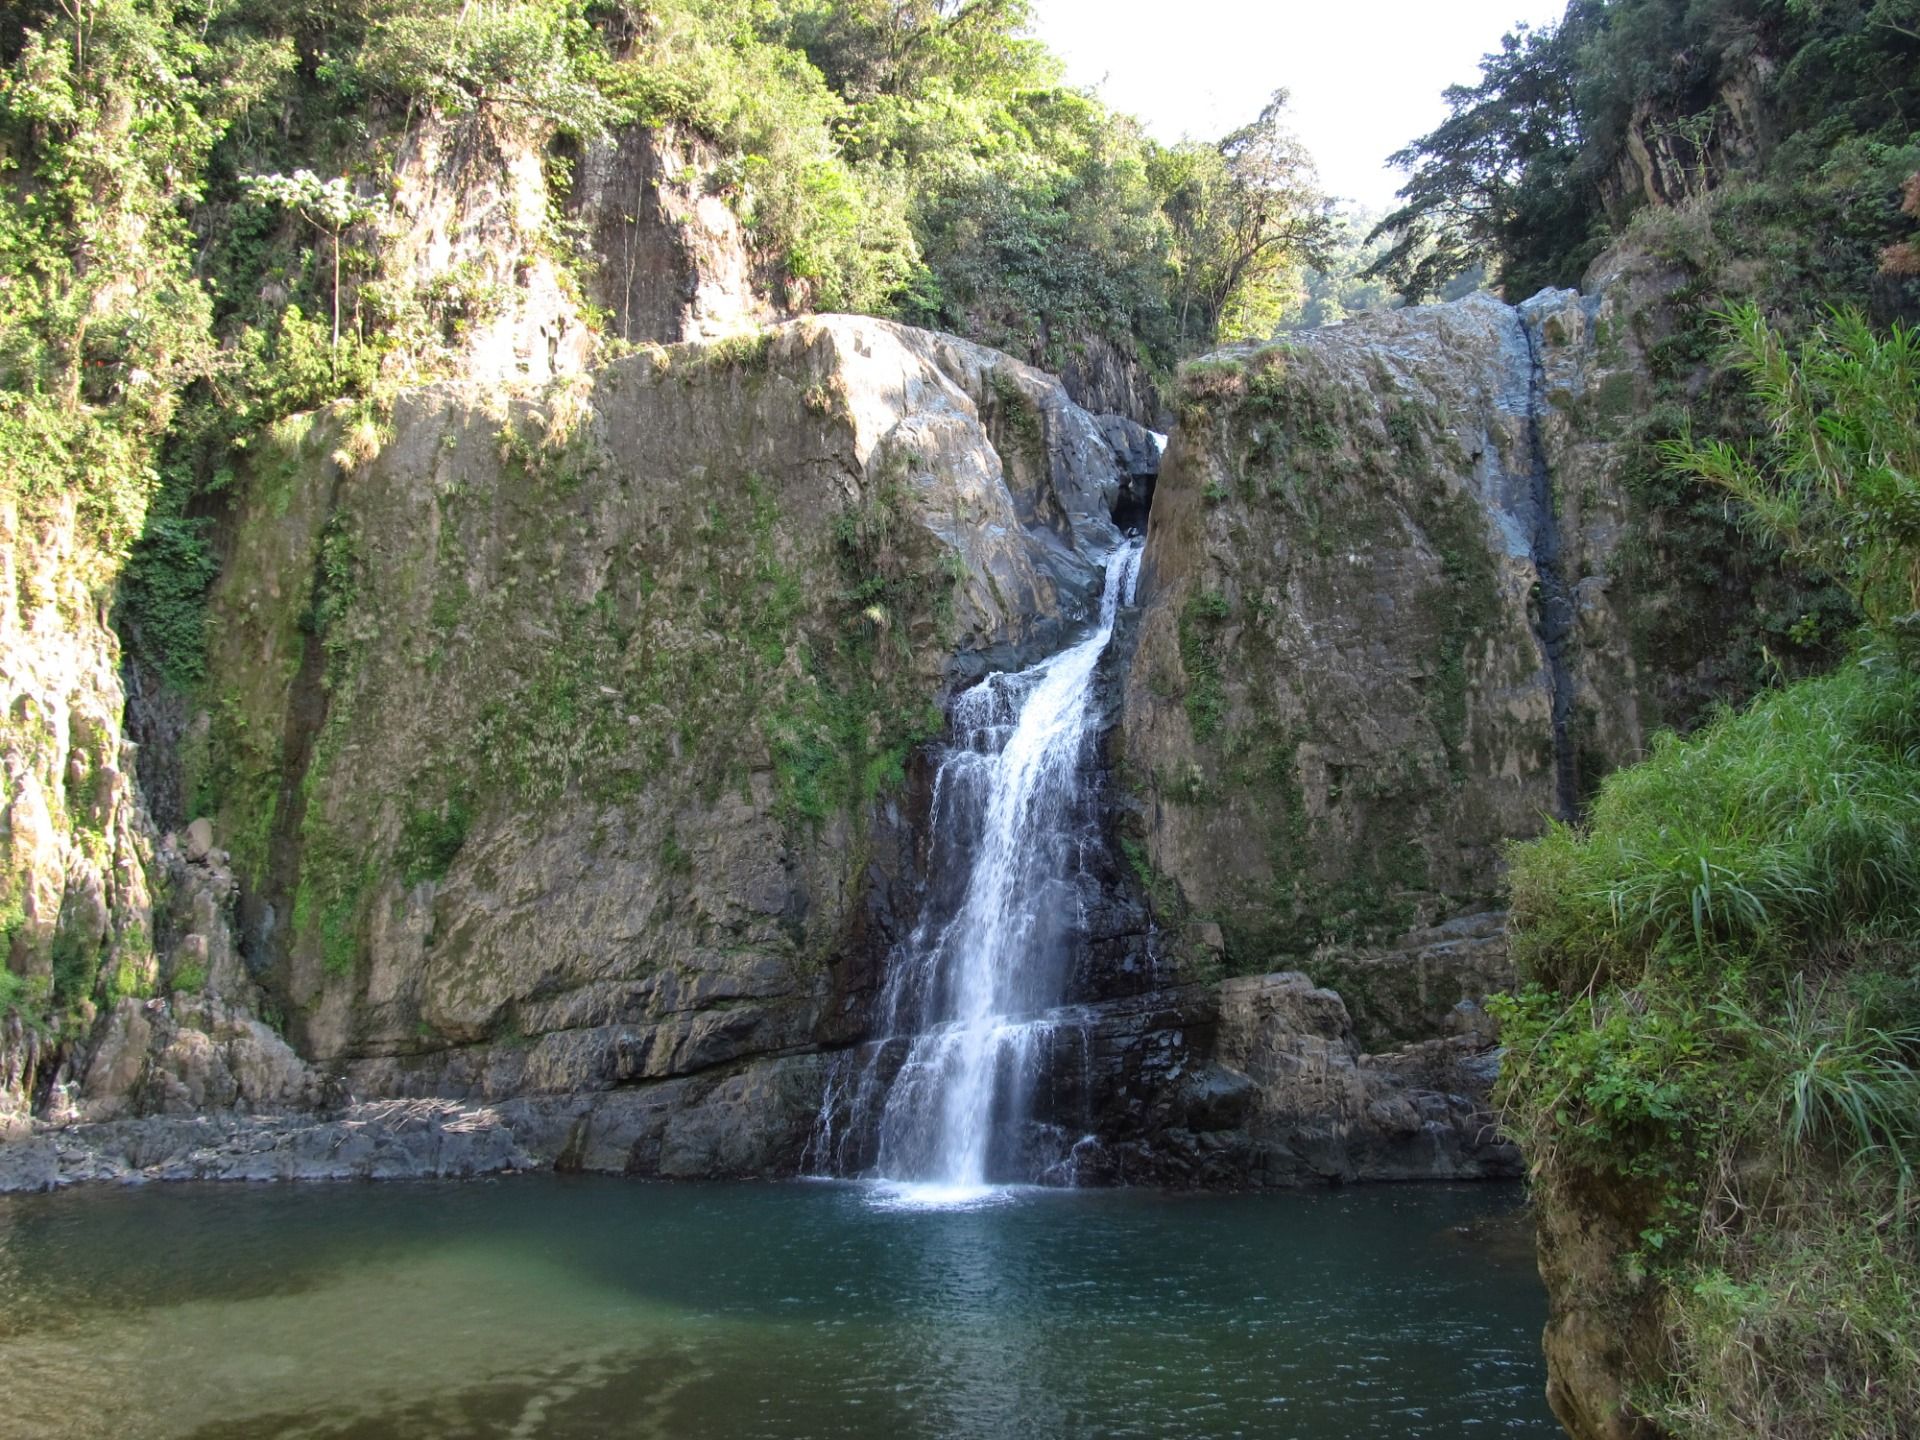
(972, 985)
(1553, 618)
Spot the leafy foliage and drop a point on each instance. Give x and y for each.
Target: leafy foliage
(1340, 284)
(1490, 182)
(105, 127)
(1246, 215)
(1529, 172)
(1839, 484)
(925, 159)
(516, 63)
(1783, 827)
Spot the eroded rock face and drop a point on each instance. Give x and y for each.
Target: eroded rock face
(1379, 638)
(1604, 1324)
(564, 754)
(1428, 984)
(1106, 378)
(469, 231)
(1262, 1082)
(673, 260)
(75, 905)
(187, 1056)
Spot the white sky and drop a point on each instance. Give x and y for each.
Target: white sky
(1366, 75)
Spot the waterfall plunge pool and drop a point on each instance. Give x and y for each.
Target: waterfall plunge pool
(560, 1307)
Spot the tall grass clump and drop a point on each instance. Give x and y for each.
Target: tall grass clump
(1772, 833)
(1838, 481)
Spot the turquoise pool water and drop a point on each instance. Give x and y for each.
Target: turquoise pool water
(587, 1307)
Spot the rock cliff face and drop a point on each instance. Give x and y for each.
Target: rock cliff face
(560, 737)
(76, 903)
(673, 261)
(520, 262)
(1107, 379)
(1662, 162)
(559, 764)
(1265, 1081)
(1379, 638)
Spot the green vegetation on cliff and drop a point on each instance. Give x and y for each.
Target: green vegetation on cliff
(200, 194)
(198, 223)
(1719, 1046)
(1625, 104)
(196, 219)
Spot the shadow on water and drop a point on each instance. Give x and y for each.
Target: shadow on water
(562, 1307)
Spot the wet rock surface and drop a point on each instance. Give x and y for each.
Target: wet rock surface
(754, 1122)
(393, 1140)
(1261, 1082)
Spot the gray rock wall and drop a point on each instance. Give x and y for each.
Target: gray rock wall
(561, 735)
(1380, 636)
(560, 775)
(472, 229)
(76, 907)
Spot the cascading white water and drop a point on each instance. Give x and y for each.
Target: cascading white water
(973, 981)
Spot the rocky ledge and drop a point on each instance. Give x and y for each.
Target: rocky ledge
(1255, 1082)
(385, 1140)
(1262, 1082)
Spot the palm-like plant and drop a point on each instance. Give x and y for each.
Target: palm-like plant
(1838, 481)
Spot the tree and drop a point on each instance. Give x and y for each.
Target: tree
(511, 61)
(869, 48)
(108, 111)
(328, 205)
(1339, 288)
(1492, 182)
(1246, 214)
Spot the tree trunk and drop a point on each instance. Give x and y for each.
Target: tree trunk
(333, 357)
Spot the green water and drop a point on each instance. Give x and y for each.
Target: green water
(546, 1306)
